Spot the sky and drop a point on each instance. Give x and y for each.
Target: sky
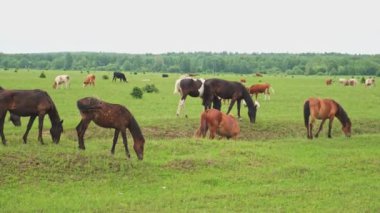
(161, 26)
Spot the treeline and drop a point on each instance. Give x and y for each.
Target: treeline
(199, 62)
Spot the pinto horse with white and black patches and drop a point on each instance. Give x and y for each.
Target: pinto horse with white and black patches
(323, 109)
(188, 86)
(216, 89)
(109, 115)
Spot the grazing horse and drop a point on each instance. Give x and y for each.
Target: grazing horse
(89, 80)
(323, 109)
(60, 80)
(31, 103)
(109, 115)
(369, 82)
(214, 89)
(218, 123)
(185, 86)
(120, 76)
(328, 81)
(261, 88)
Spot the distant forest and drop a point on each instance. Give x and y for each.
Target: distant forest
(199, 62)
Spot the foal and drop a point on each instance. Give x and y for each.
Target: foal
(109, 115)
(218, 123)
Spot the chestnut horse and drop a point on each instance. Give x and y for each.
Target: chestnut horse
(109, 115)
(218, 123)
(261, 88)
(185, 86)
(323, 109)
(31, 103)
(216, 89)
(89, 80)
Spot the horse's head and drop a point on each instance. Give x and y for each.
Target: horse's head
(252, 113)
(347, 129)
(56, 131)
(138, 146)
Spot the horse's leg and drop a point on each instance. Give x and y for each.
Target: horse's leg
(81, 129)
(181, 104)
(124, 135)
(231, 105)
(213, 131)
(330, 126)
(115, 136)
(30, 123)
(310, 130)
(2, 118)
(238, 107)
(40, 126)
(320, 128)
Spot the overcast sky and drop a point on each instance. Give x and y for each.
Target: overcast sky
(160, 26)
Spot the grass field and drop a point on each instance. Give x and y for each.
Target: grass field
(271, 167)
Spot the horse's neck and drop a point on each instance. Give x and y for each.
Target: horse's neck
(53, 115)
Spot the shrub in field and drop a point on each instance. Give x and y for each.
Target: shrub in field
(150, 88)
(362, 80)
(105, 77)
(137, 93)
(42, 75)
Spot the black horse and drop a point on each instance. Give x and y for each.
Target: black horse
(188, 86)
(31, 103)
(216, 89)
(120, 76)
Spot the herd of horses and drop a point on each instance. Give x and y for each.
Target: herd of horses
(352, 82)
(38, 103)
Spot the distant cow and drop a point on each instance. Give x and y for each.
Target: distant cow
(120, 76)
(89, 80)
(261, 88)
(329, 81)
(60, 80)
(369, 82)
(165, 75)
(243, 80)
(259, 74)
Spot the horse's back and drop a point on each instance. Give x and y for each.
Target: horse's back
(322, 108)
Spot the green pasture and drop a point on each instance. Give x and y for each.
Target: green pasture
(271, 167)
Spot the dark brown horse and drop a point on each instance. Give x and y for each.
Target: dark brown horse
(216, 89)
(188, 86)
(31, 103)
(323, 109)
(218, 123)
(109, 115)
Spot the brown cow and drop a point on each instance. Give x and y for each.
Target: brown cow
(89, 80)
(261, 88)
(329, 81)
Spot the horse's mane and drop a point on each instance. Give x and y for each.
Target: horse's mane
(135, 130)
(247, 98)
(342, 115)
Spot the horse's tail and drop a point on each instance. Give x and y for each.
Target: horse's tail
(271, 89)
(177, 87)
(203, 127)
(306, 112)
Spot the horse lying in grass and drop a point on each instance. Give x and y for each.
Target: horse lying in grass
(109, 115)
(323, 109)
(218, 123)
